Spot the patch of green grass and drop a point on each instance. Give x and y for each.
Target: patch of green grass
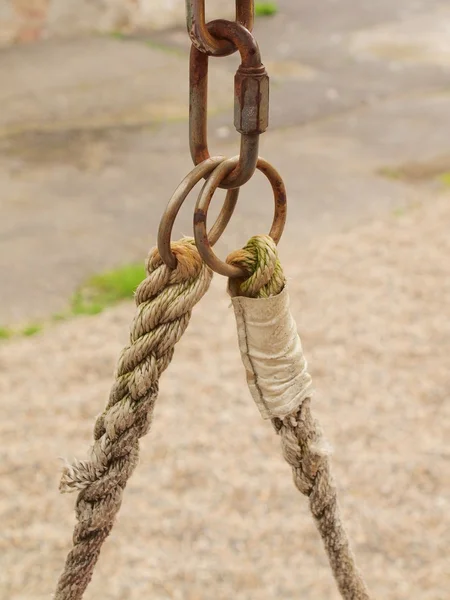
(402, 211)
(96, 294)
(265, 9)
(82, 306)
(106, 289)
(399, 212)
(117, 35)
(164, 48)
(59, 317)
(31, 329)
(390, 173)
(444, 178)
(5, 333)
(420, 172)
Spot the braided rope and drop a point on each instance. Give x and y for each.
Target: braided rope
(165, 300)
(302, 441)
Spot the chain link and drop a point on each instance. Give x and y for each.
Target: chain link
(251, 117)
(202, 39)
(251, 100)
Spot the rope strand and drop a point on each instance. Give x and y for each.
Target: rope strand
(165, 300)
(303, 445)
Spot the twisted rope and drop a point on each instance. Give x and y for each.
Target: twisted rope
(302, 441)
(165, 300)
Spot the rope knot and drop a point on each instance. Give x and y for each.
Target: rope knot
(260, 259)
(189, 262)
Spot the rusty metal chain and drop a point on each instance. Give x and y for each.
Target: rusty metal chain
(203, 39)
(251, 118)
(251, 100)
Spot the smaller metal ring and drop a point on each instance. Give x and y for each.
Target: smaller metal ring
(204, 200)
(175, 203)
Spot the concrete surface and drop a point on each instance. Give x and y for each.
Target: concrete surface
(211, 510)
(93, 138)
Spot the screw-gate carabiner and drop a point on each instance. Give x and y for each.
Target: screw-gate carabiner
(203, 39)
(251, 108)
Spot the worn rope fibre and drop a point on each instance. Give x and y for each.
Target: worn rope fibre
(165, 300)
(302, 441)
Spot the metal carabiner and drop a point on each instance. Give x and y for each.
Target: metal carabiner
(251, 108)
(198, 31)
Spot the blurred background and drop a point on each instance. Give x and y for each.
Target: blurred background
(93, 141)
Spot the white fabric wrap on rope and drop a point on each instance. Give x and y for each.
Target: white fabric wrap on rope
(272, 354)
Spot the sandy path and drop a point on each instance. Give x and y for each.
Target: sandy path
(211, 511)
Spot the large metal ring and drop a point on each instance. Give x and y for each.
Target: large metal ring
(204, 200)
(175, 203)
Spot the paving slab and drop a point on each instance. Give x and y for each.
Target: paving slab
(95, 82)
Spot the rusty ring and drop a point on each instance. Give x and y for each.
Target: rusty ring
(175, 203)
(204, 200)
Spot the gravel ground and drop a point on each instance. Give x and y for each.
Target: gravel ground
(211, 511)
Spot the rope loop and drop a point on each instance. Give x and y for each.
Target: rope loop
(164, 301)
(202, 206)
